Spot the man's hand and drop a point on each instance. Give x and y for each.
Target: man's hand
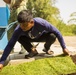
(71, 54)
(1, 66)
(66, 51)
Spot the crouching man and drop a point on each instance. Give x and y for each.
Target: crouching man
(33, 30)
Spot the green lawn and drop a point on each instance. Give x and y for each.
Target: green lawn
(59, 65)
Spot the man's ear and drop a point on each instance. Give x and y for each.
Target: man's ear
(32, 21)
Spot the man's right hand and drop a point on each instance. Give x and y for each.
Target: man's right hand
(1, 66)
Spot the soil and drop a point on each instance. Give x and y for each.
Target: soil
(72, 74)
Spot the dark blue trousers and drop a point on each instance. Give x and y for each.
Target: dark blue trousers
(48, 38)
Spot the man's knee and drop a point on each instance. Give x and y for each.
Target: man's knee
(22, 39)
(53, 37)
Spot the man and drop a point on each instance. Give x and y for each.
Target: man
(15, 7)
(33, 30)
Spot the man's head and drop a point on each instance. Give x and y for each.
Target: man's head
(25, 18)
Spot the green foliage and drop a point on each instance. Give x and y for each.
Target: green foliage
(74, 29)
(69, 30)
(44, 9)
(72, 19)
(47, 66)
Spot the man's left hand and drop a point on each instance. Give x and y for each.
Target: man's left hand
(66, 51)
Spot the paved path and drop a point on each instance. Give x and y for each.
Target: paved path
(16, 58)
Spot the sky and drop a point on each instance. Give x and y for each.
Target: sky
(66, 7)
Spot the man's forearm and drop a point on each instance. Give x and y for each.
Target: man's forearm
(7, 1)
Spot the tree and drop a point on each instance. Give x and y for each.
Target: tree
(73, 18)
(44, 9)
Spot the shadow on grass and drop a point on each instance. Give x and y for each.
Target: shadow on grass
(69, 74)
(42, 55)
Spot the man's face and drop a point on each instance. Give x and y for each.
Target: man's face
(26, 26)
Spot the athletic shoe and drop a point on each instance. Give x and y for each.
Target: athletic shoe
(49, 52)
(31, 54)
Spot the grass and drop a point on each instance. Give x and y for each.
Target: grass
(47, 66)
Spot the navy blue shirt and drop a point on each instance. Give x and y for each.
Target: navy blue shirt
(40, 26)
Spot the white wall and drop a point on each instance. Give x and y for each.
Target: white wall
(2, 3)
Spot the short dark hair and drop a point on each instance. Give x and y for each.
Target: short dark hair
(24, 16)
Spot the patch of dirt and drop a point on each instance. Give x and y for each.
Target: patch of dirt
(72, 74)
(73, 57)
